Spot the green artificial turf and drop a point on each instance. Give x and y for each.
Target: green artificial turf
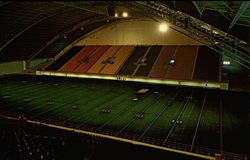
(203, 126)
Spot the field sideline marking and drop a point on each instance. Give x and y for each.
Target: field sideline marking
(159, 114)
(183, 109)
(203, 104)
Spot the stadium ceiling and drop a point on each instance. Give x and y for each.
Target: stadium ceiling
(223, 23)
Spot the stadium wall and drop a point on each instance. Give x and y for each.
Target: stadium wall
(133, 33)
(12, 67)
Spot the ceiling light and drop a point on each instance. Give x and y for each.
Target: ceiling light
(82, 28)
(163, 27)
(125, 14)
(171, 62)
(65, 37)
(226, 62)
(116, 14)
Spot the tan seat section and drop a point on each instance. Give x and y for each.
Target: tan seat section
(160, 67)
(185, 61)
(119, 59)
(99, 65)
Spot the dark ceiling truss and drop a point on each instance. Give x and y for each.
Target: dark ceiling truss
(242, 9)
(226, 43)
(245, 16)
(91, 6)
(32, 25)
(100, 7)
(245, 25)
(200, 6)
(16, 16)
(226, 5)
(224, 9)
(213, 9)
(38, 35)
(2, 3)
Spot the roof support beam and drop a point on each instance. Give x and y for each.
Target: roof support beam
(225, 4)
(245, 16)
(217, 10)
(2, 3)
(245, 25)
(243, 7)
(30, 26)
(85, 6)
(197, 7)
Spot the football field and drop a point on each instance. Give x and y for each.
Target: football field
(193, 120)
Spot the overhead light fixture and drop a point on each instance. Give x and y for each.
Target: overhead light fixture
(82, 28)
(163, 27)
(171, 62)
(116, 14)
(125, 14)
(65, 37)
(226, 62)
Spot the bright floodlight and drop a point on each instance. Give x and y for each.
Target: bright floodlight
(163, 27)
(116, 14)
(125, 14)
(226, 62)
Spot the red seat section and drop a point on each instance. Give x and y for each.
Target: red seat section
(74, 62)
(185, 62)
(92, 59)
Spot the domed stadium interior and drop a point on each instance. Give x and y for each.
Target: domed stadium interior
(93, 80)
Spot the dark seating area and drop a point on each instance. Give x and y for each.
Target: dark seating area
(129, 67)
(64, 58)
(54, 48)
(207, 65)
(151, 57)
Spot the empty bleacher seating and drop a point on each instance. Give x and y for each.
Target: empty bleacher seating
(64, 58)
(151, 57)
(119, 59)
(160, 67)
(184, 63)
(129, 67)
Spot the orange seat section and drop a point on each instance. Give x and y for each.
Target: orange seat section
(76, 60)
(99, 65)
(92, 59)
(119, 59)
